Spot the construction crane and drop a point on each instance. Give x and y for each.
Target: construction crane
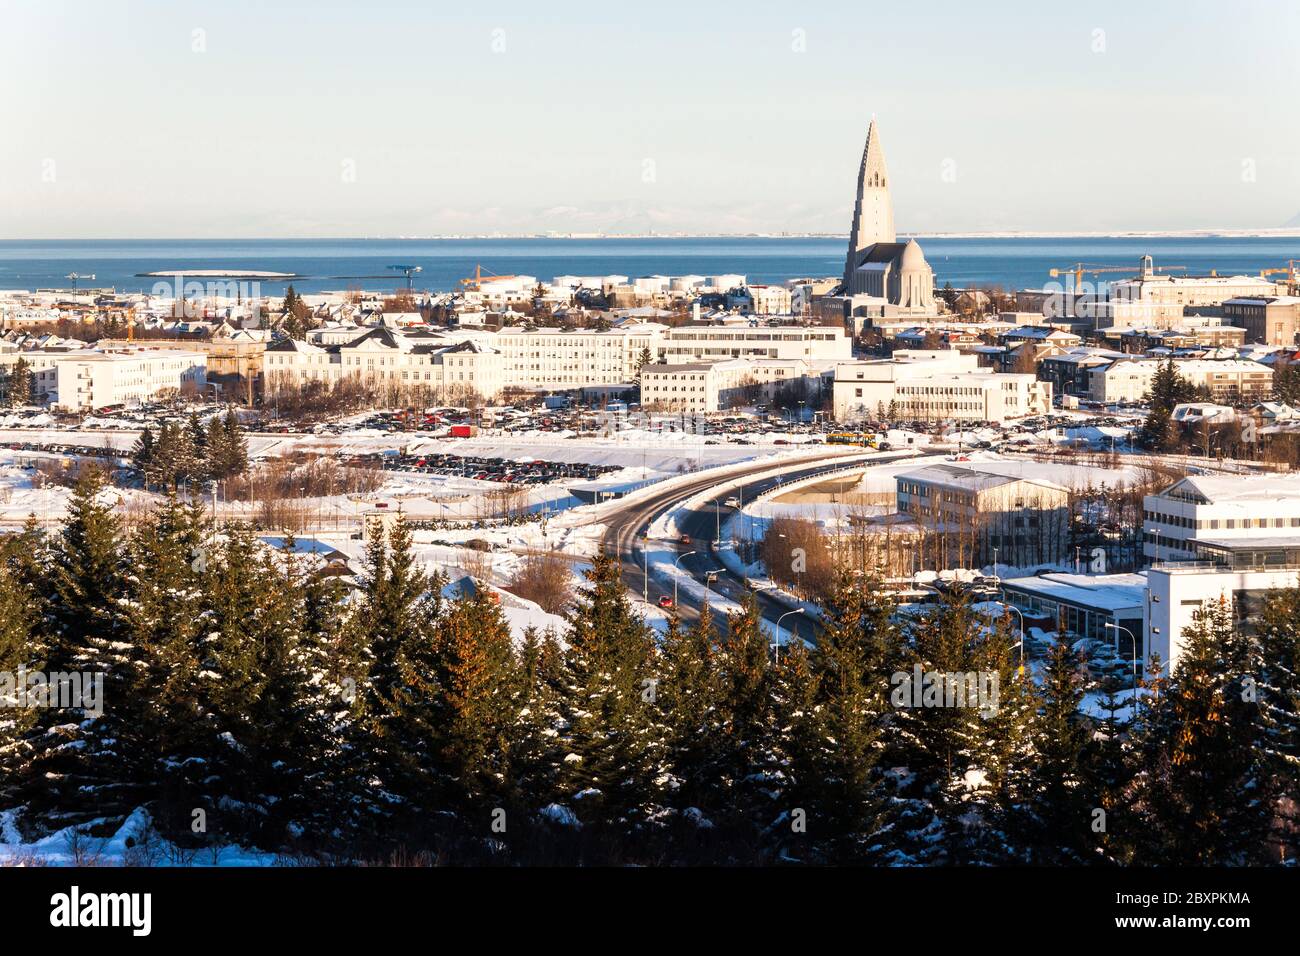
(475, 281)
(1080, 268)
(1289, 272)
(410, 271)
(74, 276)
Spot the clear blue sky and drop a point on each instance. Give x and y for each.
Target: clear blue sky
(120, 120)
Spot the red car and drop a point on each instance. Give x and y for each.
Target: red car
(665, 601)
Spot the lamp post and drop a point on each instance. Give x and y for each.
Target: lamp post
(1120, 627)
(776, 641)
(677, 573)
(1021, 616)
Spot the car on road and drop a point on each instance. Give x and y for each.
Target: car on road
(665, 601)
(732, 502)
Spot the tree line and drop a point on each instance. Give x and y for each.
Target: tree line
(192, 452)
(249, 699)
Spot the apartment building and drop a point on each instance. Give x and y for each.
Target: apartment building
(555, 359)
(1228, 380)
(88, 380)
(1015, 521)
(939, 385)
(386, 359)
(708, 343)
(1268, 320)
(1239, 507)
(703, 387)
(1239, 571)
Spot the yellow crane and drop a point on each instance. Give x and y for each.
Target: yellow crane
(476, 280)
(1079, 269)
(1289, 272)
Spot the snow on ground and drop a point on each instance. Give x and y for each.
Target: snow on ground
(68, 847)
(19, 498)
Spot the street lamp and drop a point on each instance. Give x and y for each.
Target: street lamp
(677, 573)
(776, 641)
(1120, 627)
(1021, 616)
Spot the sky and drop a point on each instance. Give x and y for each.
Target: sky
(281, 118)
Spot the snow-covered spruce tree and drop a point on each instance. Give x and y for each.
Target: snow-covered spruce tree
(386, 633)
(154, 721)
(1054, 818)
(607, 780)
(21, 650)
(957, 762)
(266, 705)
(66, 779)
(472, 713)
(1279, 646)
(851, 663)
(1108, 765)
(1199, 799)
(688, 700)
(755, 769)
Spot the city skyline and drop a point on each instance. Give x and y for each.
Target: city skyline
(326, 121)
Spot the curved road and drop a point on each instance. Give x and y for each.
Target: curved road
(627, 526)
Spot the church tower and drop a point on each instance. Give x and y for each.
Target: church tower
(873, 213)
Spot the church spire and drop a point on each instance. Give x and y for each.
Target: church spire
(873, 212)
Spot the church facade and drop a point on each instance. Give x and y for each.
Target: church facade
(877, 264)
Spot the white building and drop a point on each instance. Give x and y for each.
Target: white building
(90, 380)
(703, 387)
(936, 385)
(1221, 508)
(1237, 571)
(554, 359)
(709, 343)
(455, 365)
(1227, 380)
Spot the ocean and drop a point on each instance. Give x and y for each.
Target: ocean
(331, 264)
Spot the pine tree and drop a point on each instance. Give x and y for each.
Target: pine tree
(1279, 700)
(21, 652)
(216, 448)
(21, 384)
(142, 454)
(234, 460)
(607, 779)
(754, 768)
(154, 726)
(1056, 818)
(688, 698)
(1200, 802)
(388, 630)
(851, 666)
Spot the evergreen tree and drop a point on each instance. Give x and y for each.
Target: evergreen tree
(607, 779)
(688, 696)
(386, 646)
(142, 454)
(1200, 802)
(1056, 817)
(20, 652)
(21, 384)
(1279, 700)
(851, 664)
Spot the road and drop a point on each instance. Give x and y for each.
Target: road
(627, 526)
